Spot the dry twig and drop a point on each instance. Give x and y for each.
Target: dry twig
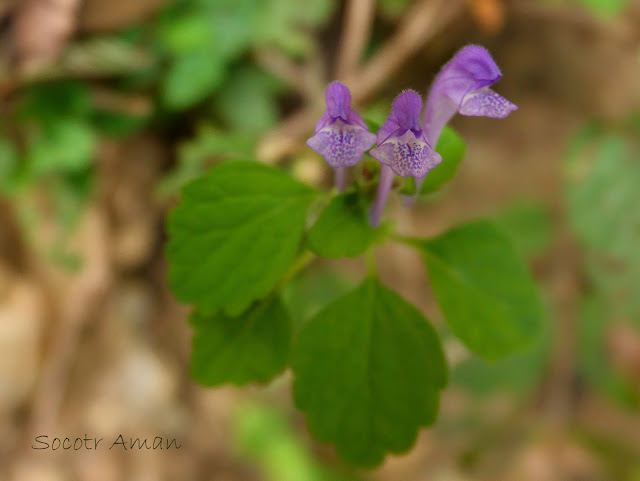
(356, 31)
(41, 30)
(77, 302)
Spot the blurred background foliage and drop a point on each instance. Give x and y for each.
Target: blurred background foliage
(108, 108)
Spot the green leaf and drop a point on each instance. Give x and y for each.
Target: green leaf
(312, 290)
(529, 226)
(183, 34)
(8, 163)
(452, 149)
(602, 188)
(594, 360)
(267, 439)
(195, 155)
(66, 145)
(191, 79)
(50, 102)
(234, 234)
(248, 102)
(483, 288)
(342, 229)
(373, 125)
(117, 124)
(234, 25)
(605, 8)
(281, 23)
(518, 374)
(394, 8)
(252, 347)
(368, 370)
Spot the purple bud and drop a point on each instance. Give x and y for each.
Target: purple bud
(341, 135)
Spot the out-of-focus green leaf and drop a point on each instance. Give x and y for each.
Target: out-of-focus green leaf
(368, 371)
(253, 347)
(372, 125)
(211, 142)
(197, 154)
(117, 124)
(65, 145)
(394, 8)
(282, 23)
(601, 196)
(595, 365)
(483, 288)
(47, 102)
(601, 190)
(183, 34)
(248, 103)
(376, 113)
(529, 226)
(264, 436)
(518, 373)
(235, 25)
(191, 79)
(8, 164)
(605, 8)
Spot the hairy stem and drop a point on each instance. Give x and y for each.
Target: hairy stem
(377, 209)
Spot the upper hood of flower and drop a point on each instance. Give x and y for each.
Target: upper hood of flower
(405, 115)
(474, 65)
(338, 100)
(463, 86)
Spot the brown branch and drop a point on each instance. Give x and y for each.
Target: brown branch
(420, 24)
(622, 29)
(41, 30)
(355, 35)
(77, 298)
(281, 67)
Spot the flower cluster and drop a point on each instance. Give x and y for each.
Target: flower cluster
(405, 144)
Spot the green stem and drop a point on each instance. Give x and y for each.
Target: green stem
(370, 257)
(299, 265)
(410, 241)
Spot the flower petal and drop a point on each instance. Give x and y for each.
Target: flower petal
(475, 64)
(407, 155)
(342, 145)
(355, 119)
(338, 100)
(470, 70)
(405, 115)
(485, 102)
(323, 122)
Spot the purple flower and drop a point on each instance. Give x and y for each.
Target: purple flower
(402, 148)
(341, 135)
(463, 86)
(402, 144)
